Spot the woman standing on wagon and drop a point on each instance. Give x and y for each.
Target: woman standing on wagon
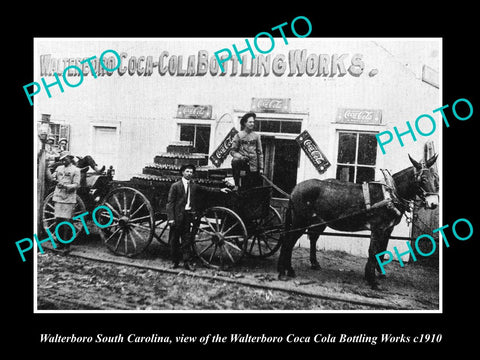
(247, 154)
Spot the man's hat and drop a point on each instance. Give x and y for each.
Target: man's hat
(51, 137)
(63, 139)
(187, 166)
(64, 154)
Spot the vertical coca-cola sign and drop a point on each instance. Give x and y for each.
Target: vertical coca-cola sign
(222, 151)
(313, 152)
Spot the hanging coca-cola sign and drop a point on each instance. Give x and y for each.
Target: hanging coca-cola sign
(222, 151)
(359, 116)
(313, 152)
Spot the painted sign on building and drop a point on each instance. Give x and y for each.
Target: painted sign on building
(270, 105)
(194, 111)
(359, 116)
(298, 62)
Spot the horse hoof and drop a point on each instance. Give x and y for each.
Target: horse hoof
(282, 277)
(291, 273)
(315, 266)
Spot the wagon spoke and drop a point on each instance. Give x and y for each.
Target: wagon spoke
(137, 233)
(138, 209)
(110, 226)
(140, 218)
(228, 253)
(205, 249)
(118, 203)
(206, 232)
(271, 237)
(224, 221)
(213, 253)
(232, 237)
(125, 233)
(49, 204)
(131, 204)
(129, 233)
(113, 209)
(111, 235)
(118, 241)
(140, 226)
(231, 227)
(49, 226)
(233, 245)
(124, 202)
(211, 227)
(102, 214)
(267, 244)
(251, 245)
(259, 246)
(216, 221)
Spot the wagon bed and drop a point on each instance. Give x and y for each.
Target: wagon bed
(131, 213)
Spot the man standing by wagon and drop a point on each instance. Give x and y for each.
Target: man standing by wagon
(67, 177)
(181, 207)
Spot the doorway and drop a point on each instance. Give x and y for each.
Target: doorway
(281, 158)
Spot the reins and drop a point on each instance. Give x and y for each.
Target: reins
(275, 186)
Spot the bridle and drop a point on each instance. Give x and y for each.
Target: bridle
(421, 192)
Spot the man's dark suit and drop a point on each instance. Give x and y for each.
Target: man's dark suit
(176, 202)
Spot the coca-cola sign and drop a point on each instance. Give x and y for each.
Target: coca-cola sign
(222, 151)
(359, 116)
(313, 152)
(194, 111)
(271, 105)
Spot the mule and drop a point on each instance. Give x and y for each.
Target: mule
(341, 206)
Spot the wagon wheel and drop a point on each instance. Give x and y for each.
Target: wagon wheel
(132, 227)
(266, 235)
(48, 214)
(221, 237)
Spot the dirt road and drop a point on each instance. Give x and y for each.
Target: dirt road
(91, 278)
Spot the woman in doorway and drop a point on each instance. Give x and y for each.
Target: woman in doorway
(247, 154)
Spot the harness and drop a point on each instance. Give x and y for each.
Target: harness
(390, 197)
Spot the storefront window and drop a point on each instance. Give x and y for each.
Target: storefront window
(58, 131)
(356, 156)
(198, 135)
(278, 126)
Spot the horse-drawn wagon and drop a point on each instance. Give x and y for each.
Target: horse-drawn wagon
(230, 226)
(227, 226)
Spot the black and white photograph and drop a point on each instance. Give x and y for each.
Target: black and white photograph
(217, 179)
(261, 175)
